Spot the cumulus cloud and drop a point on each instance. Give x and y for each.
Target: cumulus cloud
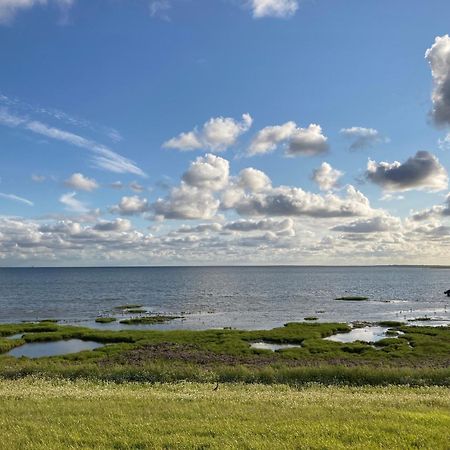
(438, 57)
(283, 227)
(273, 8)
(208, 172)
(267, 139)
(361, 138)
(307, 142)
(433, 212)
(201, 228)
(118, 225)
(207, 187)
(129, 206)
(294, 201)
(422, 171)
(217, 134)
(187, 202)
(16, 198)
(253, 180)
(296, 141)
(326, 177)
(9, 8)
(71, 203)
(80, 182)
(378, 224)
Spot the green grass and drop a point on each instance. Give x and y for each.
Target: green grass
(53, 415)
(352, 298)
(147, 320)
(419, 356)
(105, 319)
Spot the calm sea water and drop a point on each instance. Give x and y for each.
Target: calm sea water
(240, 297)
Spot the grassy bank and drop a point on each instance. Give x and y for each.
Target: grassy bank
(413, 356)
(42, 414)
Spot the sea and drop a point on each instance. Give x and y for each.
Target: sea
(222, 297)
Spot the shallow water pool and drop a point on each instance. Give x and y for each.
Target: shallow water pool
(39, 349)
(271, 346)
(366, 334)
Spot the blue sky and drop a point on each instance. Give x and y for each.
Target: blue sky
(98, 92)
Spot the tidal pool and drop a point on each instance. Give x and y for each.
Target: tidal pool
(271, 346)
(39, 349)
(366, 334)
(15, 336)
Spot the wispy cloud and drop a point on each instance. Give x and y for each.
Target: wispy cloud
(273, 8)
(103, 157)
(25, 109)
(160, 9)
(16, 198)
(10, 8)
(72, 203)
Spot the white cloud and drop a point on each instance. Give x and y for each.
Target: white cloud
(202, 228)
(283, 227)
(103, 157)
(378, 224)
(295, 202)
(267, 139)
(253, 180)
(160, 9)
(326, 177)
(297, 141)
(217, 134)
(436, 211)
(117, 185)
(444, 143)
(10, 120)
(16, 198)
(9, 8)
(38, 178)
(71, 203)
(79, 182)
(362, 138)
(136, 187)
(129, 206)
(438, 57)
(187, 202)
(208, 172)
(388, 197)
(118, 225)
(273, 8)
(423, 171)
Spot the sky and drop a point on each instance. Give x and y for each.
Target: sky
(217, 132)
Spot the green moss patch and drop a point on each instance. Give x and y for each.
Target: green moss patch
(105, 319)
(148, 320)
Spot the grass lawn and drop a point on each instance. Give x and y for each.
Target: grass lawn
(56, 414)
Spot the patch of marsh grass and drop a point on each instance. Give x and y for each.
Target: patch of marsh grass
(40, 414)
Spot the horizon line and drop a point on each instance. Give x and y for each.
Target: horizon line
(444, 266)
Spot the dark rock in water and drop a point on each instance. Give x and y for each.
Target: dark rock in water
(447, 293)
